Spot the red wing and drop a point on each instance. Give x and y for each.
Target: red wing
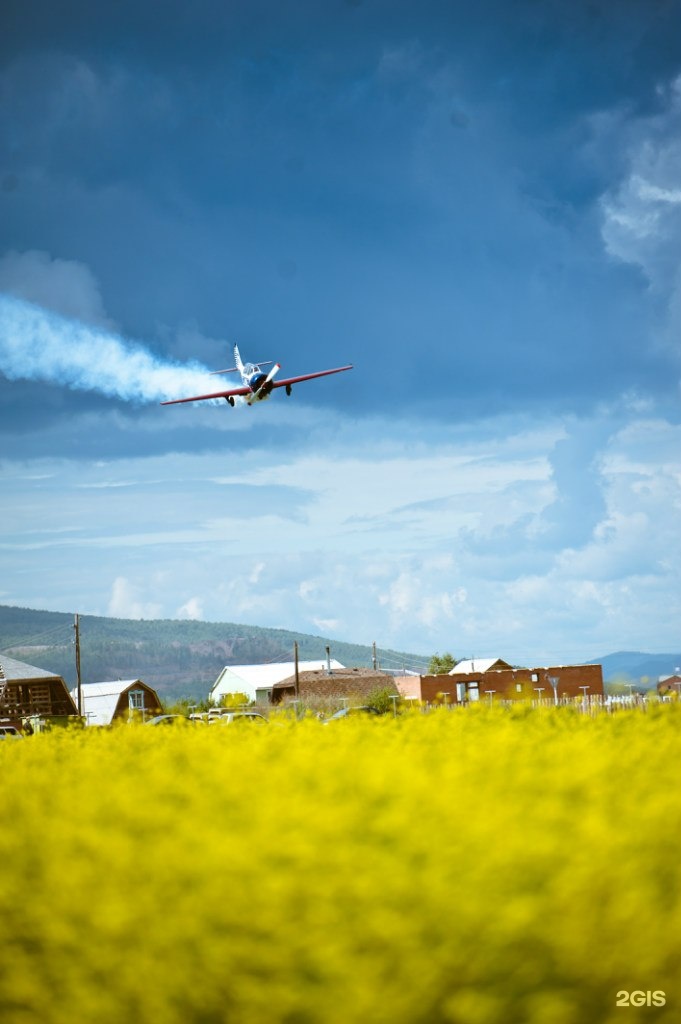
(309, 376)
(204, 398)
(247, 391)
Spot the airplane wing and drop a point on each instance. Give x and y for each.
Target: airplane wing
(247, 391)
(308, 376)
(217, 394)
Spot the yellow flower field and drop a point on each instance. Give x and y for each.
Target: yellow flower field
(478, 866)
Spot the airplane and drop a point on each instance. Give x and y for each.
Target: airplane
(256, 385)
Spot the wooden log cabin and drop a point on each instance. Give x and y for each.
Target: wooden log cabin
(28, 693)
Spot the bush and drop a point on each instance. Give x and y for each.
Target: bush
(382, 699)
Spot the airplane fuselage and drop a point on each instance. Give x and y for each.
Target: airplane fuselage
(256, 380)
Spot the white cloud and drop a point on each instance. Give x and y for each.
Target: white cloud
(642, 213)
(256, 572)
(327, 625)
(641, 219)
(125, 602)
(414, 597)
(191, 609)
(655, 194)
(462, 544)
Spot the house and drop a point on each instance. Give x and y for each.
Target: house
(27, 692)
(666, 685)
(103, 703)
(333, 684)
(256, 681)
(493, 679)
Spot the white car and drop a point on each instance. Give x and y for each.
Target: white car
(10, 732)
(230, 717)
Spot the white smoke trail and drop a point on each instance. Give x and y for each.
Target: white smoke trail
(37, 344)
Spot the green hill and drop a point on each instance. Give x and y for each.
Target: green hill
(178, 658)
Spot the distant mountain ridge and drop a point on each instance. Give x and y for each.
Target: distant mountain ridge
(637, 667)
(182, 658)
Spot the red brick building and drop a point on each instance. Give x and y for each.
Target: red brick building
(668, 685)
(487, 679)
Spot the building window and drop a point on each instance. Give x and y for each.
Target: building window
(136, 700)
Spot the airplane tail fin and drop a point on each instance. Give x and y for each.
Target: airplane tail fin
(237, 360)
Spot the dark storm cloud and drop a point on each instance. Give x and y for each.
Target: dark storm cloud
(120, 87)
(413, 189)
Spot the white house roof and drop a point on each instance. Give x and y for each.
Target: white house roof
(100, 699)
(249, 678)
(477, 665)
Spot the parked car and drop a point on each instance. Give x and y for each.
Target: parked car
(232, 717)
(348, 712)
(167, 720)
(10, 732)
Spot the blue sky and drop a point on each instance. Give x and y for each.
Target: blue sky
(480, 209)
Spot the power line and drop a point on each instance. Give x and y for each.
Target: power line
(31, 641)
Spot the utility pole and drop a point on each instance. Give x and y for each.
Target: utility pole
(295, 663)
(76, 626)
(373, 655)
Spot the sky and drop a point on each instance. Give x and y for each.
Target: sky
(478, 206)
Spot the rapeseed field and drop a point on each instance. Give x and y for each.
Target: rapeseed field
(478, 866)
